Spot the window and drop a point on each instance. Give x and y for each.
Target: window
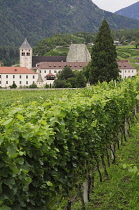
(13, 82)
(40, 71)
(13, 76)
(20, 82)
(33, 77)
(0, 76)
(55, 71)
(0, 82)
(128, 71)
(44, 71)
(49, 71)
(50, 77)
(6, 76)
(26, 76)
(6, 82)
(26, 82)
(20, 76)
(23, 54)
(28, 54)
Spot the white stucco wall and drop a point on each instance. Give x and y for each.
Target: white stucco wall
(125, 73)
(44, 72)
(19, 79)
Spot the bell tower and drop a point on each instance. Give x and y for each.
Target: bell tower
(26, 55)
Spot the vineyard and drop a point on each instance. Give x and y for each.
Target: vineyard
(52, 141)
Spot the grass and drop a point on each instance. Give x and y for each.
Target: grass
(128, 52)
(121, 192)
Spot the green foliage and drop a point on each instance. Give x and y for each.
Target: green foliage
(70, 79)
(33, 86)
(9, 55)
(103, 65)
(62, 84)
(47, 86)
(80, 80)
(52, 46)
(128, 52)
(137, 43)
(57, 45)
(37, 19)
(127, 34)
(65, 73)
(121, 191)
(13, 85)
(49, 140)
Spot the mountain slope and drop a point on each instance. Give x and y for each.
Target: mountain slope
(130, 11)
(37, 19)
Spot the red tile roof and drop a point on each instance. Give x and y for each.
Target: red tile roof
(61, 65)
(124, 64)
(50, 74)
(15, 70)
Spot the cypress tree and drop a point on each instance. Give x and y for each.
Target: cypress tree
(103, 65)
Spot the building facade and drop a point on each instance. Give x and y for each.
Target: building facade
(49, 70)
(126, 69)
(26, 55)
(21, 76)
(46, 71)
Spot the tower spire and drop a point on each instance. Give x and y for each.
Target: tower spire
(25, 45)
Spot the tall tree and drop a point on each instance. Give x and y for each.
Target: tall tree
(80, 80)
(103, 65)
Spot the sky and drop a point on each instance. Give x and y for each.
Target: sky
(113, 5)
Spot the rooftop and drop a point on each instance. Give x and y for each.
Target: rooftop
(15, 70)
(61, 65)
(38, 59)
(25, 45)
(124, 64)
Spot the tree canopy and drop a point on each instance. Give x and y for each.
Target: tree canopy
(70, 79)
(103, 66)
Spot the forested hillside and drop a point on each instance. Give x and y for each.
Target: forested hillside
(49, 46)
(37, 19)
(9, 55)
(130, 12)
(58, 45)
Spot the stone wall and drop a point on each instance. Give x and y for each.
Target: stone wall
(78, 53)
